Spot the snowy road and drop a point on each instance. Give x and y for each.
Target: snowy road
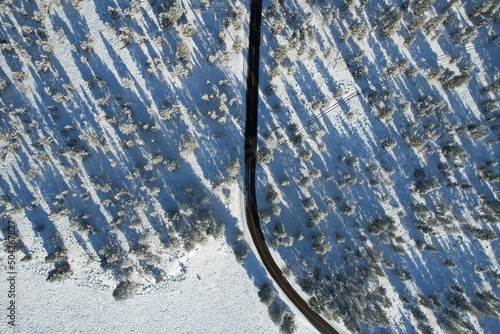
(252, 216)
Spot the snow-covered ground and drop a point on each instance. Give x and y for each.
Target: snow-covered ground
(121, 149)
(377, 154)
(214, 295)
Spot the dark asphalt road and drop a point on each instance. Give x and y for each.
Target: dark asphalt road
(252, 215)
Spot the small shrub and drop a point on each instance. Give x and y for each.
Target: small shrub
(113, 12)
(188, 146)
(170, 13)
(380, 225)
(449, 263)
(402, 274)
(481, 234)
(458, 80)
(398, 249)
(43, 65)
(285, 182)
(454, 151)
(3, 85)
(61, 271)
(387, 143)
(19, 75)
(347, 209)
(305, 155)
(385, 113)
(87, 44)
(359, 72)
(492, 87)
(124, 290)
(128, 83)
(425, 186)
(85, 226)
(352, 161)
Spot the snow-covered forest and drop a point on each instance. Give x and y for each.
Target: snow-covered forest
(122, 150)
(379, 150)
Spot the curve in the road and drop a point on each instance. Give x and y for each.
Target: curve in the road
(251, 212)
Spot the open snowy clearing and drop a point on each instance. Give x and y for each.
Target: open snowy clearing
(214, 295)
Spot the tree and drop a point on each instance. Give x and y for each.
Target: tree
(402, 274)
(189, 145)
(111, 253)
(264, 155)
(3, 85)
(458, 80)
(272, 195)
(280, 54)
(425, 185)
(170, 13)
(485, 8)
(315, 216)
(279, 229)
(308, 203)
(288, 325)
(276, 311)
(305, 155)
(182, 52)
(390, 22)
(241, 250)
(320, 244)
(124, 290)
(492, 87)
(266, 293)
(381, 224)
(481, 234)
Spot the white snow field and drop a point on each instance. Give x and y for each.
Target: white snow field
(214, 295)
